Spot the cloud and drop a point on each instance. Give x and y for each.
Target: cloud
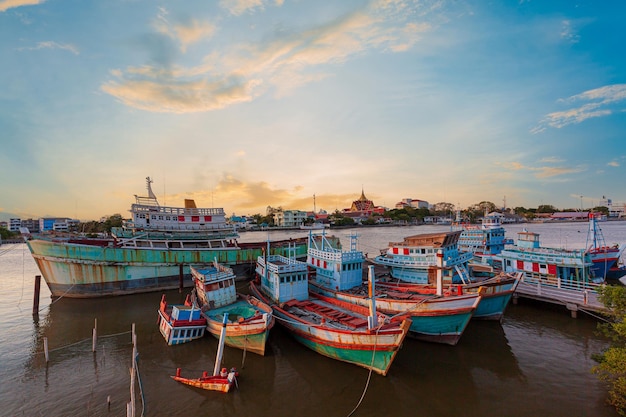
(544, 171)
(52, 45)
(10, 4)
(551, 160)
(568, 33)
(238, 7)
(613, 164)
(603, 101)
(253, 197)
(176, 96)
(244, 72)
(184, 32)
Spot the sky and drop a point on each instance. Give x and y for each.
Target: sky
(245, 104)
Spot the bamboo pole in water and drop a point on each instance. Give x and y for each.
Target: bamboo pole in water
(36, 295)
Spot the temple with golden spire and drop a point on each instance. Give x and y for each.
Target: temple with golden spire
(362, 204)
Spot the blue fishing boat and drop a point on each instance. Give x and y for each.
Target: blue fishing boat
(483, 241)
(250, 320)
(180, 323)
(151, 252)
(339, 330)
(434, 263)
(414, 260)
(435, 317)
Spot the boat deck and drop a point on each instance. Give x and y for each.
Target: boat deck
(324, 313)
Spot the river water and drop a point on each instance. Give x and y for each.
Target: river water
(536, 362)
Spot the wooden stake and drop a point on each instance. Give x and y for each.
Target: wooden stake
(36, 295)
(180, 278)
(45, 349)
(132, 391)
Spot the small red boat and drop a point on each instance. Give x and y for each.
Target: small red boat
(221, 380)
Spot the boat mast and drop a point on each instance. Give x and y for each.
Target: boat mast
(220, 347)
(372, 319)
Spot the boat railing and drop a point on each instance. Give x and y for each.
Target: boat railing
(576, 257)
(208, 211)
(561, 283)
(385, 260)
(574, 295)
(281, 264)
(336, 255)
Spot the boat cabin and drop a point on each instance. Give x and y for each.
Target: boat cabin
(282, 278)
(215, 285)
(335, 268)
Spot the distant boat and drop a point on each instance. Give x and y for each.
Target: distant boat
(250, 320)
(338, 330)
(151, 252)
(434, 317)
(222, 379)
(180, 323)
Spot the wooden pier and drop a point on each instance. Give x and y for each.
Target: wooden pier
(575, 297)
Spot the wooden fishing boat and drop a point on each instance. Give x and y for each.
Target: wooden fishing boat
(496, 292)
(152, 252)
(333, 328)
(414, 259)
(433, 263)
(180, 323)
(222, 379)
(339, 274)
(250, 320)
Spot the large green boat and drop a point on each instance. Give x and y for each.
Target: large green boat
(152, 252)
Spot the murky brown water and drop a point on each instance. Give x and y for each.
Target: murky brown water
(537, 362)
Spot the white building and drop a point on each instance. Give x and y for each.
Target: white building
(15, 224)
(409, 202)
(289, 218)
(62, 224)
(615, 209)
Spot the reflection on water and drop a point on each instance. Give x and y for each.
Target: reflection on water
(536, 362)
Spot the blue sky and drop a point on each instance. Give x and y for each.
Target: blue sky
(243, 104)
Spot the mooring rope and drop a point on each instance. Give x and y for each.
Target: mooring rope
(369, 375)
(594, 315)
(143, 399)
(82, 341)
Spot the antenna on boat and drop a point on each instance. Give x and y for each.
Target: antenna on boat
(149, 187)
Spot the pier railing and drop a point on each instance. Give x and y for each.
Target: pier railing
(574, 295)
